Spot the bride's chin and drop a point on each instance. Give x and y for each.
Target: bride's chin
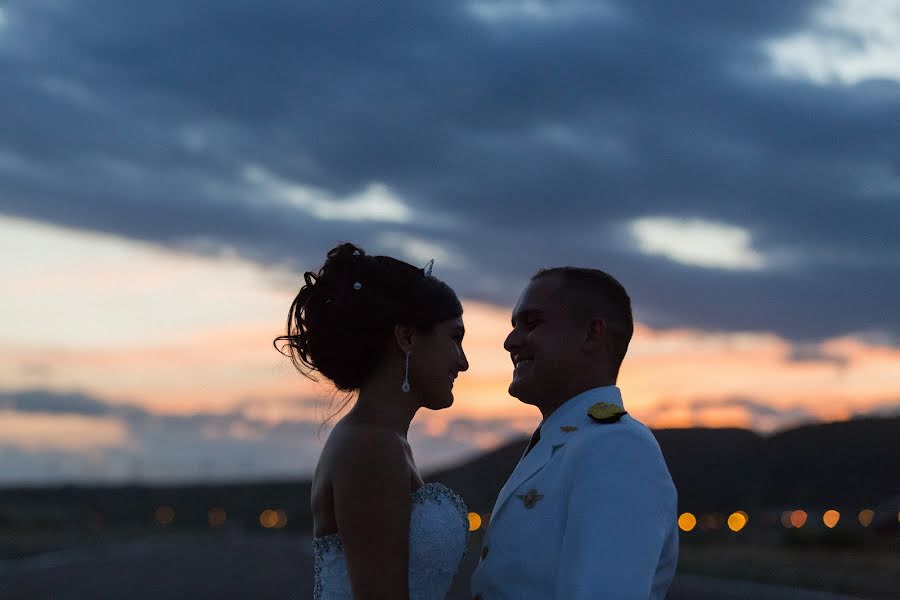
(440, 404)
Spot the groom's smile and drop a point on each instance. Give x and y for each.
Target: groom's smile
(544, 345)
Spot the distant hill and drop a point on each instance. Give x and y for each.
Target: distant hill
(850, 465)
(847, 464)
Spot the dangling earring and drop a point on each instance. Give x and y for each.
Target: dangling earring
(405, 386)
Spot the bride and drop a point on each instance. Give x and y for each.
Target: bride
(393, 334)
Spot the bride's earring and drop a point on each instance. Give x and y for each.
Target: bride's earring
(405, 386)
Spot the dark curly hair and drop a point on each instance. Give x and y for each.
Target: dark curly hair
(343, 316)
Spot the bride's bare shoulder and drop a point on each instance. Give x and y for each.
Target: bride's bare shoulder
(363, 445)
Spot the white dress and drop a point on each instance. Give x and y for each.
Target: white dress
(438, 534)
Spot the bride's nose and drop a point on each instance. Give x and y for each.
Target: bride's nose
(462, 362)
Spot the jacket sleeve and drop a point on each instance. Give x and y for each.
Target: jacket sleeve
(621, 507)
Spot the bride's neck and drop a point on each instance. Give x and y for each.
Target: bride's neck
(379, 405)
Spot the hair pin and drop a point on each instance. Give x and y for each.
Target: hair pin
(428, 267)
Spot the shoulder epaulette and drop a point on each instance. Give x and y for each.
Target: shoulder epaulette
(606, 412)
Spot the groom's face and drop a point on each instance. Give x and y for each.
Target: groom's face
(544, 344)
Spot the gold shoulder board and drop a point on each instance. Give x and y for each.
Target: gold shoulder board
(606, 412)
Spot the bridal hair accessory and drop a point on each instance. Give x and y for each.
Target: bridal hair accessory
(405, 386)
(428, 267)
(356, 253)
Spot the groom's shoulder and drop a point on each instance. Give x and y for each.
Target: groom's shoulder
(597, 436)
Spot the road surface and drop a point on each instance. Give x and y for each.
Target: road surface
(259, 566)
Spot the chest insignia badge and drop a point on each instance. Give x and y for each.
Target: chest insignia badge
(568, 428)
(531, 498)
(606, 412)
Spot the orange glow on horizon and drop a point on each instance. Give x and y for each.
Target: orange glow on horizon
(61, 431)
(194, 335)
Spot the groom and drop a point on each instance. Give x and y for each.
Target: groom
(590, 510)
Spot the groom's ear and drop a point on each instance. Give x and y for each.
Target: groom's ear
(404, 337)
(595, 335)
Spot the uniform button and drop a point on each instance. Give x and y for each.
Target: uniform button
(484, 552)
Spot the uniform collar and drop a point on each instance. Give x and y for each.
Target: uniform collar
(573, 410)
(555, 432)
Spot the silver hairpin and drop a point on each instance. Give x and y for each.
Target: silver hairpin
(356, 253)
(428, 268)
(357, 286)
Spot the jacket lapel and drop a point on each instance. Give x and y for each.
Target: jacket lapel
(530, 464)
(552, 438)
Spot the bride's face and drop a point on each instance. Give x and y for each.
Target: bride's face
(436, 361)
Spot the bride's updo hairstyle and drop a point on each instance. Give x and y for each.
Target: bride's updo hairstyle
(340, 322)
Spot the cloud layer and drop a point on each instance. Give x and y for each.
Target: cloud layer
(505, 135)
(81, 436)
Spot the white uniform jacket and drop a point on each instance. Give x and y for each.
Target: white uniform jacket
(589, 512)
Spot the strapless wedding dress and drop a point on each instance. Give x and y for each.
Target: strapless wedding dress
(438, 533)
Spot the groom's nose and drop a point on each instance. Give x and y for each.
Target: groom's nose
(513, 341)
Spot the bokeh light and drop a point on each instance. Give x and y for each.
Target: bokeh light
(164, 515)
(280, 519)
(865, 517)
(798, 518)
(687, 522)
(216, 516)
(786, 519)
(737, 520)
(268, 518)
(474, 521)
(831, 518)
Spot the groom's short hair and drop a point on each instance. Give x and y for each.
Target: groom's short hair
(590, 292)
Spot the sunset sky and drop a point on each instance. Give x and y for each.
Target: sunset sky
(167, 174)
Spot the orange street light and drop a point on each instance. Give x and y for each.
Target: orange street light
(798, 518)
(831, 518)
(164, 515)
(687, 522)
(786, 519)
(865, 517)
(216, 516)
(268, 518)
(737, 520)
(280, 519)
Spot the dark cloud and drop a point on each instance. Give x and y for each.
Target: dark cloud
(517, 143)
(805, 353)
(43, 401)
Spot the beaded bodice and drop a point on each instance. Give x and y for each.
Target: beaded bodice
(438, 532)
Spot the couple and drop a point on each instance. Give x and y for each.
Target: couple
(589, 511)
